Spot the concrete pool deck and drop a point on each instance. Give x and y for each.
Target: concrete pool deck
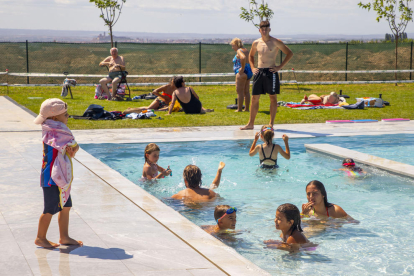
(125, 230)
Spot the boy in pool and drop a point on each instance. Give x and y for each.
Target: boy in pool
(194, 192)
(225, 217)
(288, 221)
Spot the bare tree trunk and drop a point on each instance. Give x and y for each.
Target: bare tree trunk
(396, 55)
(112, 39)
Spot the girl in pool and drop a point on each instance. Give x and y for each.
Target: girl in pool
(268, 152)
(288, 221)
(151, 170)
(318, 204)
(349, 166)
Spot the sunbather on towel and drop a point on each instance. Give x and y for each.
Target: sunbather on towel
(332, 98)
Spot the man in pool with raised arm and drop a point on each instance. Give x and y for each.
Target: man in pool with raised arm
(194, 192)
(266, 76)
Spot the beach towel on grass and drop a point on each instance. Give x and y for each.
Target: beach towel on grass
(58, 135)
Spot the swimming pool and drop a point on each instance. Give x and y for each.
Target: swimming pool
(383, 203)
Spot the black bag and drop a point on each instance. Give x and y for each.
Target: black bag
(94, 111)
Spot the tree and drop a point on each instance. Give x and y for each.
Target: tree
(397, 13)
(110, 12)
(254, 10)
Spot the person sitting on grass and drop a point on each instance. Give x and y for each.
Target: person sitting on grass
(194, 192)
(161, 102)
(116, 65)
(187, 98)
(225, 217)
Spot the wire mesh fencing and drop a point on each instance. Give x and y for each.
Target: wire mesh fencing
(158, 58)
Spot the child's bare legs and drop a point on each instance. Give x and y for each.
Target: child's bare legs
(44, 223)
(63, 220)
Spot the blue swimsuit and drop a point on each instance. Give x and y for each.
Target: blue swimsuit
(237, 66)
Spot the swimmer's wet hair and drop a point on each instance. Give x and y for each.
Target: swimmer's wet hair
(264, 23)
(150, 148)
(178, 81)
(291, 212)
(268, 134)
(192, 174)
(321, 188)
(237, 41)
(220, 210)
(348, 160)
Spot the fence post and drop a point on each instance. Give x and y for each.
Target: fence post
(116, 44)
(199, 60)
(27, 60)
(411, 58)
(346, 62)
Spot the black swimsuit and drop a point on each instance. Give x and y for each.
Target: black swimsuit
(193, 106)
(265, 166)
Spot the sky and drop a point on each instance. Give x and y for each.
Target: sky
(196, 16)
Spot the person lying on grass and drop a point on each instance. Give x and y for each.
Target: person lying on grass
(161, 102)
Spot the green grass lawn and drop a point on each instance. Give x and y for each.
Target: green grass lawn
(401, 98)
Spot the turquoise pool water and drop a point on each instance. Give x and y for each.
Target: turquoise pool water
(384, 204)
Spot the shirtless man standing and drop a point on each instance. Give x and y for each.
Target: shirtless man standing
(116, 65)
(266, 76)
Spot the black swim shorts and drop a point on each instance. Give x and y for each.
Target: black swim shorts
(52, 200)
(266, 82)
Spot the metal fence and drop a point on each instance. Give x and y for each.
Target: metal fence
(157, 58)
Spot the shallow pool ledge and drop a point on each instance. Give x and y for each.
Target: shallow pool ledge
(371, 160)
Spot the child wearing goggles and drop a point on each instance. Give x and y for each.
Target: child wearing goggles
(225, 217)
(268, 151)
(348, 165)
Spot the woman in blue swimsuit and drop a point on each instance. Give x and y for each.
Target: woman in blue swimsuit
(243, 73)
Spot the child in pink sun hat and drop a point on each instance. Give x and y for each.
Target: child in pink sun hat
(59, 147)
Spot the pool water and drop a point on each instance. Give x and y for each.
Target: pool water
(382, 243)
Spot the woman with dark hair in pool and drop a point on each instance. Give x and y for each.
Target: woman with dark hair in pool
(187, 98)
(318, 204)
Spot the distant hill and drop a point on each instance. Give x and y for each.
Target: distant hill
(20, 35)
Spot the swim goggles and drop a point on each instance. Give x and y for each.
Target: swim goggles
(267, 128)
(348, 164)
(229, 211)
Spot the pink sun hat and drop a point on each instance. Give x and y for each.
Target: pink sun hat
(49, 108)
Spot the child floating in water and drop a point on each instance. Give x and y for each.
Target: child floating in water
(349, 166)
(151, 170)
(225, 217)
(268, 152)
(288, 221)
